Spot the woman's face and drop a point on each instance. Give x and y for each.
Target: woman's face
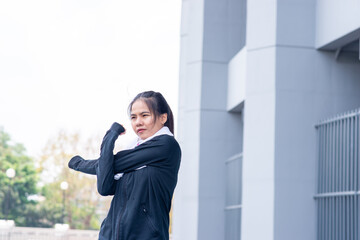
(143, 121)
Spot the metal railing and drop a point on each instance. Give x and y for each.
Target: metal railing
(24, 233)
(337, 195)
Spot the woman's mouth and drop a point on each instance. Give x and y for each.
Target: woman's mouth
(140, 130)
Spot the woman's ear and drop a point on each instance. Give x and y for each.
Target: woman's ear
(163, 118)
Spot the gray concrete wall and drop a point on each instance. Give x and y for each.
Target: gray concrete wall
(259, 120)
(186, 196)
(295, 152)
(208, 134)
(290, 86)
(259, 146)
(311, 87)
(336, 21)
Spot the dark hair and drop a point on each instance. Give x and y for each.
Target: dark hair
(157, 106)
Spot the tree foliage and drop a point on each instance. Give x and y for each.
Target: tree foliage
(14, 192)
(82, 202)
(80, 205)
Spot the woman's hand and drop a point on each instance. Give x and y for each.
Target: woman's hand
(118, 128)
(123, 131)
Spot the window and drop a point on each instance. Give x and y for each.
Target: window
(233, 176)
(233, 197)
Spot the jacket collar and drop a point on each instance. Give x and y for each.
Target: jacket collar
(163, 131)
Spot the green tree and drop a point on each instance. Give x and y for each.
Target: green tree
(83, 206)
(14, 192)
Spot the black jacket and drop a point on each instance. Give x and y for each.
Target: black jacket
(142, 199)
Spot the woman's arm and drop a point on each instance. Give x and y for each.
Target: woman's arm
(154, 152)
(86, 166)
(102, 167)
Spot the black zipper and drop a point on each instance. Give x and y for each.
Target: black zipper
(123, 209)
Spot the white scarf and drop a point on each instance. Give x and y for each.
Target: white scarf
(163, 131)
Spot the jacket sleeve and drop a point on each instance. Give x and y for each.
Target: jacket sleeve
(155, 152)
(77, 163)
(102, 167)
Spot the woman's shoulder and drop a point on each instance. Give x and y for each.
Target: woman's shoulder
(165, 138)
(164, 145)
(170, 146)
(168, 140)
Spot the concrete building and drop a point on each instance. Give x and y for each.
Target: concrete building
(256, 77)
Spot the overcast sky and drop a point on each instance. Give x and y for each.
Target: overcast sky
(76, 64)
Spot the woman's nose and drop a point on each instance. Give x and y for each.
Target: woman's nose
(138, 122)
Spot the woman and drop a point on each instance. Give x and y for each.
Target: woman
(142, 179)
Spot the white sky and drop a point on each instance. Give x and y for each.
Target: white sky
(76, 64)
